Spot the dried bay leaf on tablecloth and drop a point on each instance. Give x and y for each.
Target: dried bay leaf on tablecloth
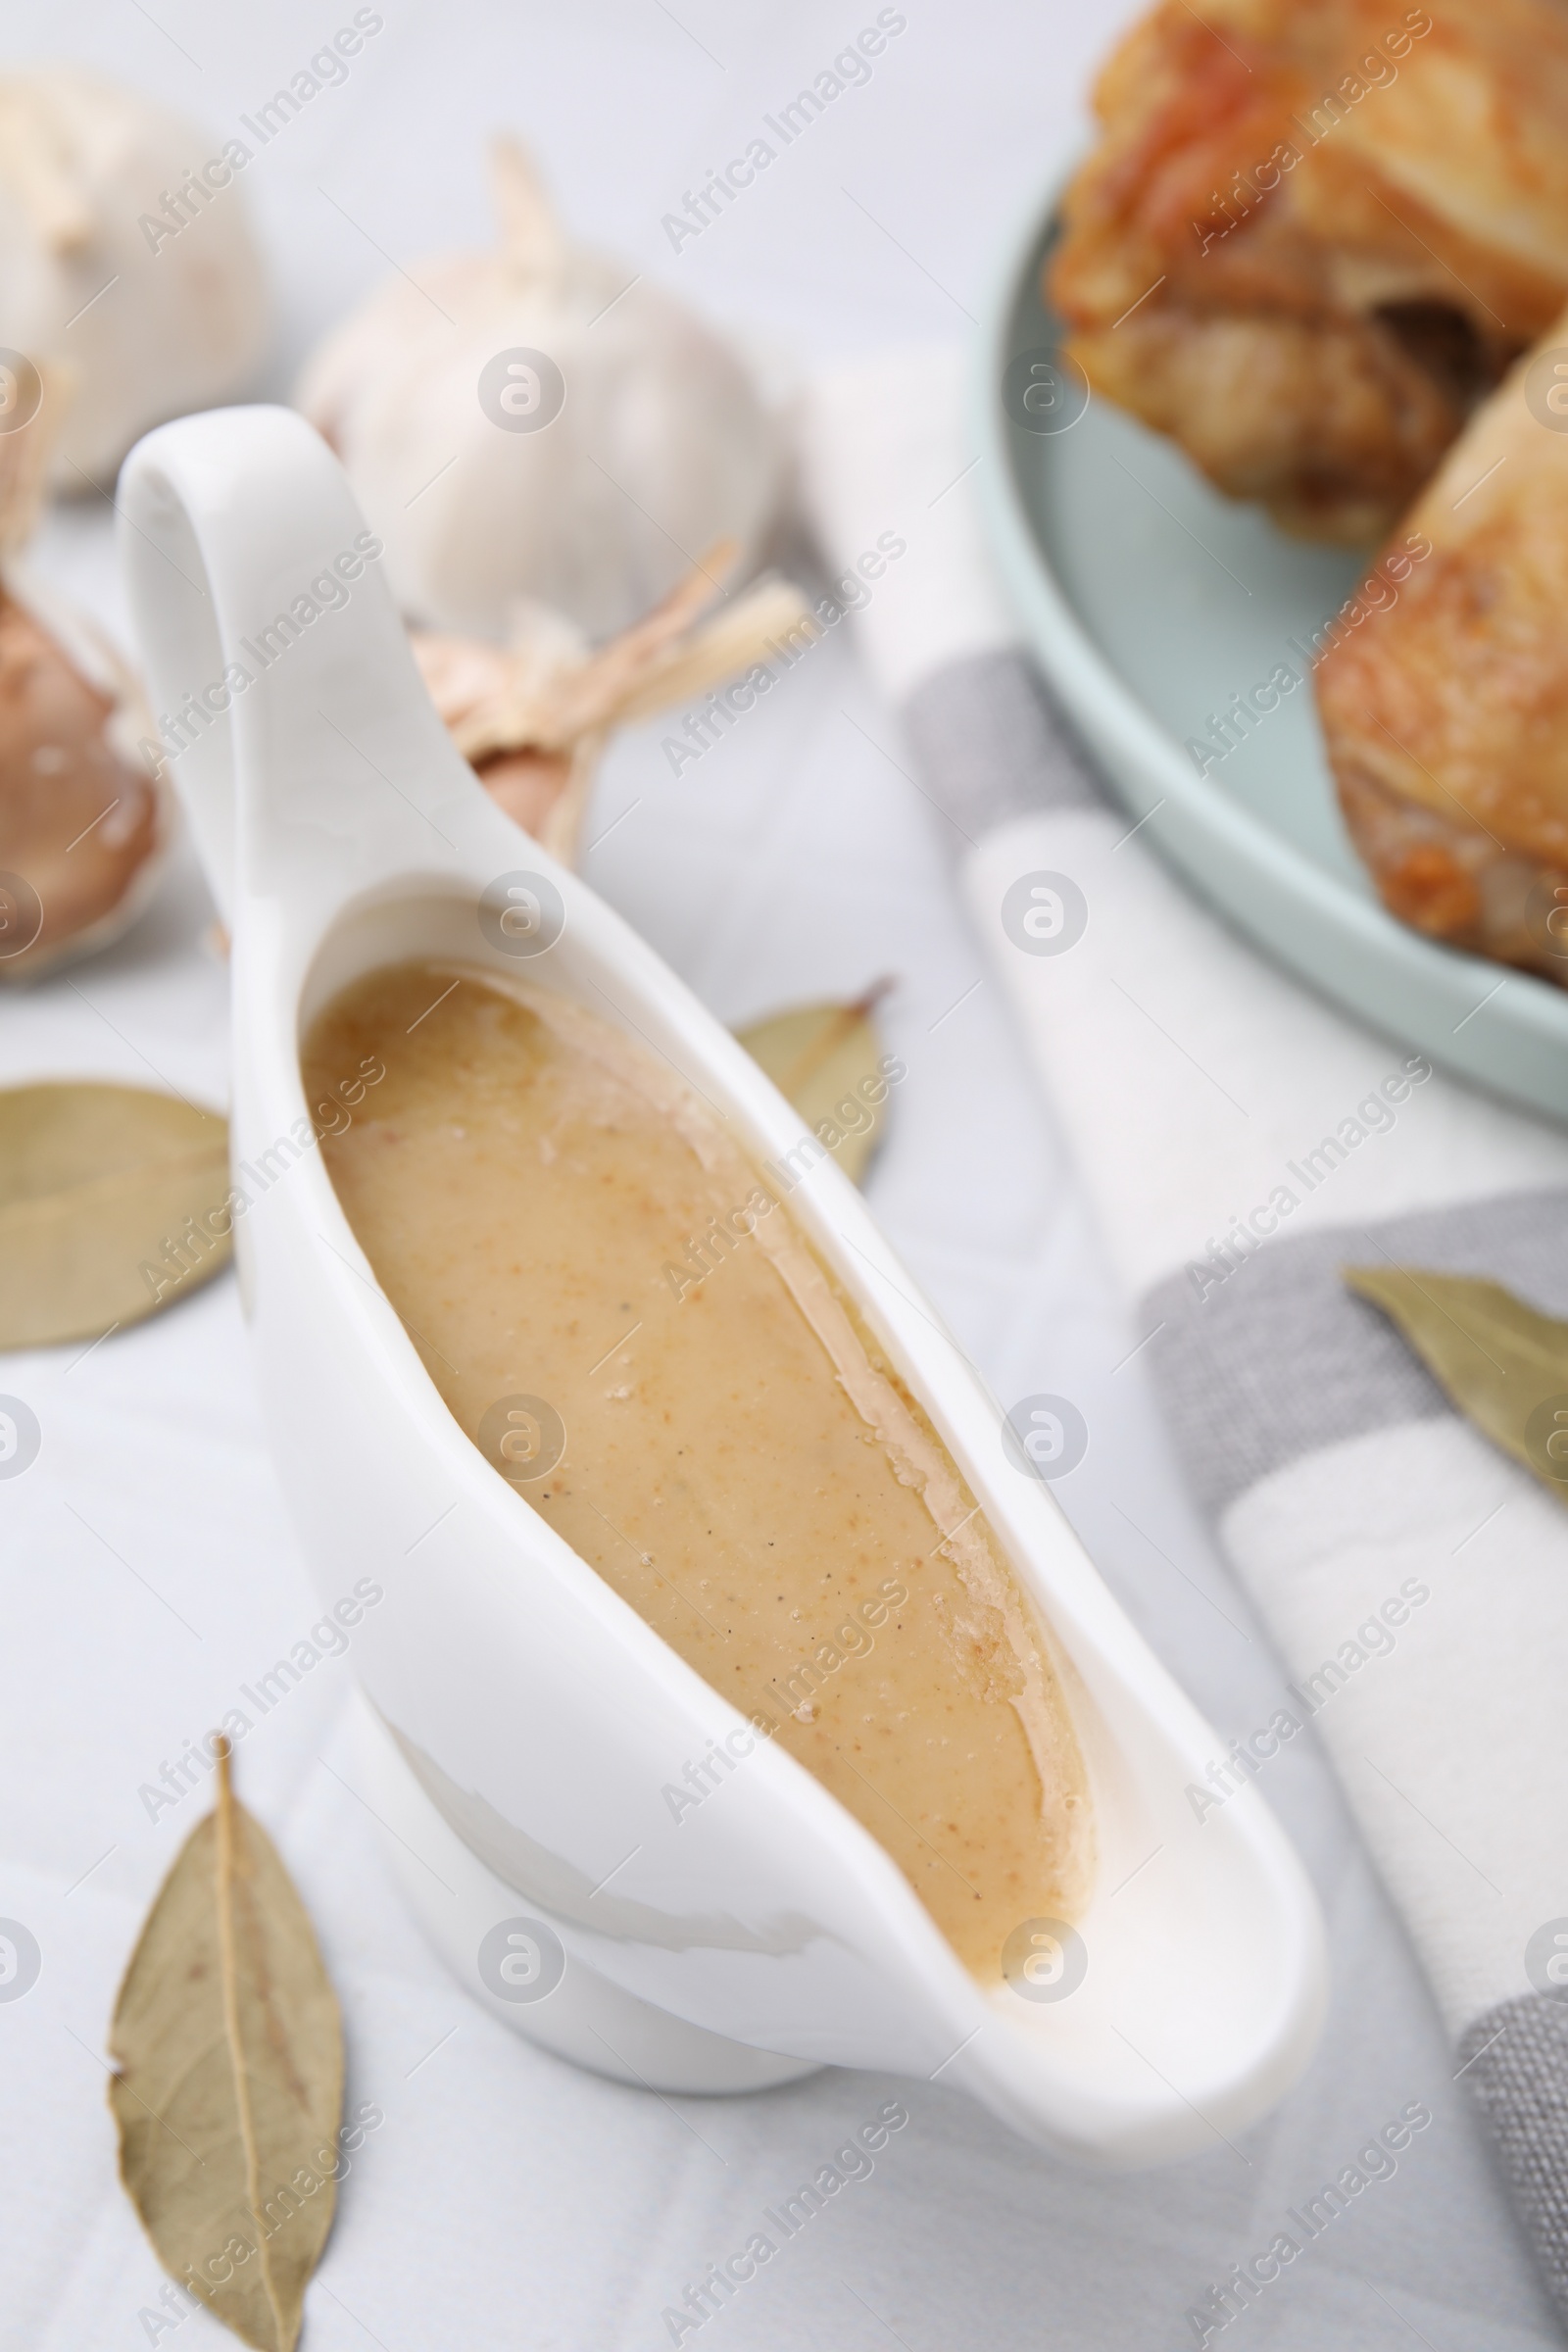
(824, 1059)
(1501, 1362)
(229, 2089)
(97, 1183)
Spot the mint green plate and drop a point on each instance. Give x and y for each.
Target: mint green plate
(1151, 601)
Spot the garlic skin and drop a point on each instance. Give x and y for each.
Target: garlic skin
(146, 334)
(533, 718)
(662, 443)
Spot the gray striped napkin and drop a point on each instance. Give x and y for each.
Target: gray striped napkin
(1243, 1143)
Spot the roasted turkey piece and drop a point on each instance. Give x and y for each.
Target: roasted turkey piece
(1446, 712)
(1312, 236)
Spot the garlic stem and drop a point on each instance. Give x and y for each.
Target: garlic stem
(531, 241)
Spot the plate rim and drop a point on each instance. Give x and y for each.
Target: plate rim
(1395, 979)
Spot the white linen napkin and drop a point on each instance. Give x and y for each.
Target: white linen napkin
(1243, 1143)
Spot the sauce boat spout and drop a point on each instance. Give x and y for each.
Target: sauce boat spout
(536, 1747)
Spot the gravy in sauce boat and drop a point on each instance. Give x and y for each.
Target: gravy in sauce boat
(729, 1449)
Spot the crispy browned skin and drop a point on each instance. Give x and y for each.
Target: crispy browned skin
(1446, 714)
(1314, 236)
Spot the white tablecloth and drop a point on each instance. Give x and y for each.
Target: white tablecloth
(147, 1568)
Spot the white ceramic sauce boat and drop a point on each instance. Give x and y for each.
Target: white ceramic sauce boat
(526, 1719)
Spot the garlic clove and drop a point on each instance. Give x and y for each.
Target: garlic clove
(528, 786)
(81, 823)
(651, 434)
(84, 822)
(460, 673)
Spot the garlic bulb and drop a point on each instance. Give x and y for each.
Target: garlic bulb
(532, 720)
(125, 256)
(538, 425)
(84, 819)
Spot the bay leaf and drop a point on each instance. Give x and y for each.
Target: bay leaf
(230, 2086)
(823, 1058)
(106, 1193)
(1502, 1362)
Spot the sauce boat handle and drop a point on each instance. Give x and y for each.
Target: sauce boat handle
(292, 715)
